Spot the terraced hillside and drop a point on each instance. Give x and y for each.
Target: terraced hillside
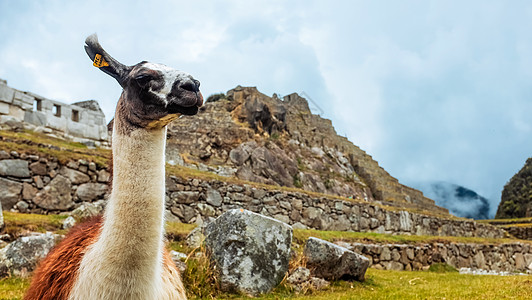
(279, 141)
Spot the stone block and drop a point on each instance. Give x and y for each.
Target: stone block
(251, 251)
(329, 261)
(9, 192)
(56, 195)
(14, 167)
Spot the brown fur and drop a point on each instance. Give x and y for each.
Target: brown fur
(57, 273)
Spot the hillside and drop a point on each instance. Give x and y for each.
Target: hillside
(516, 198)
(279, 141)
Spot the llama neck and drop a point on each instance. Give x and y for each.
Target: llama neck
(136, 206)
(126, 260)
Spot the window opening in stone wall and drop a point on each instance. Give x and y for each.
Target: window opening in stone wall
(75, 115)
(37, 105)
(56, 110)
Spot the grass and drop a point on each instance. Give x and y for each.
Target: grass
(19, 223)
(442, 268)
(35, 143)
(506, 221)
(516, 225)
(379, 284)
(301, 235)
(200, 280)
(13, 287)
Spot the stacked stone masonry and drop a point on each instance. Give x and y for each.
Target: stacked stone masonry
(510, 257)
(30, 183)
(520, 232)
(82, 121)
(193, 200)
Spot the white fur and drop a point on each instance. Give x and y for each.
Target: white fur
(170, 76)
(126, 260)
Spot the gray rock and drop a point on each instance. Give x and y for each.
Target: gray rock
(299, 275)
(75, 177)
(22, 206)
(87, 210)
(28, 191)
(331, 262)
(195, 238)
(318, 283)
(186, 197)
(4, 155)
(9, 192)
(14, 167)
(103, 176)
(241, 154)
(251, 251)
(56, 195)
(177, 258)
(214, 198)
(69, 222)
(91, 191)
(170, 217)
(38, 168)
(20, 257)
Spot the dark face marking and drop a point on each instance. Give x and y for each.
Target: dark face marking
(155, 94)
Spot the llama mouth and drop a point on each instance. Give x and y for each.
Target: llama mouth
(187, 104)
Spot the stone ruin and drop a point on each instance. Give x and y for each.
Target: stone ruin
(80, 122)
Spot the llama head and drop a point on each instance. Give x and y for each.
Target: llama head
(154, 94)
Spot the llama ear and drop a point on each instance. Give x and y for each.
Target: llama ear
(105, 62)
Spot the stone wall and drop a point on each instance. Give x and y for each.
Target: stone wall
(520, 232)
(81, 121)
(30, 183)
(192, 200)
(511, 257)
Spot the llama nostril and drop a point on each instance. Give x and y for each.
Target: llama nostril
(190, 86)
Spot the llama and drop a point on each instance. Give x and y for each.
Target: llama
(121, 255)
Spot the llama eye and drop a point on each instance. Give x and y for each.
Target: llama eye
(143, 79)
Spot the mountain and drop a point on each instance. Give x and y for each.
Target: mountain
(460, 201)
(516, 198)
(269, 140)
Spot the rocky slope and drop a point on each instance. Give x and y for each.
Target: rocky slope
(279, 141)
(516, 198)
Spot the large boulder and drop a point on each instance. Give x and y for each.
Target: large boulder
(251, 252)
(20, 257)
(329, 261)
(56, 195)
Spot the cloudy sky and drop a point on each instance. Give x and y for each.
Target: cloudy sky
(433, 90)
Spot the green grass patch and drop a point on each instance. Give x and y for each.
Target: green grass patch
(13, 287)
(506, 221)
(379, 284)
(19, 223)
(301, 235)
(34, 143)
(177, 230)
(442, 268)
